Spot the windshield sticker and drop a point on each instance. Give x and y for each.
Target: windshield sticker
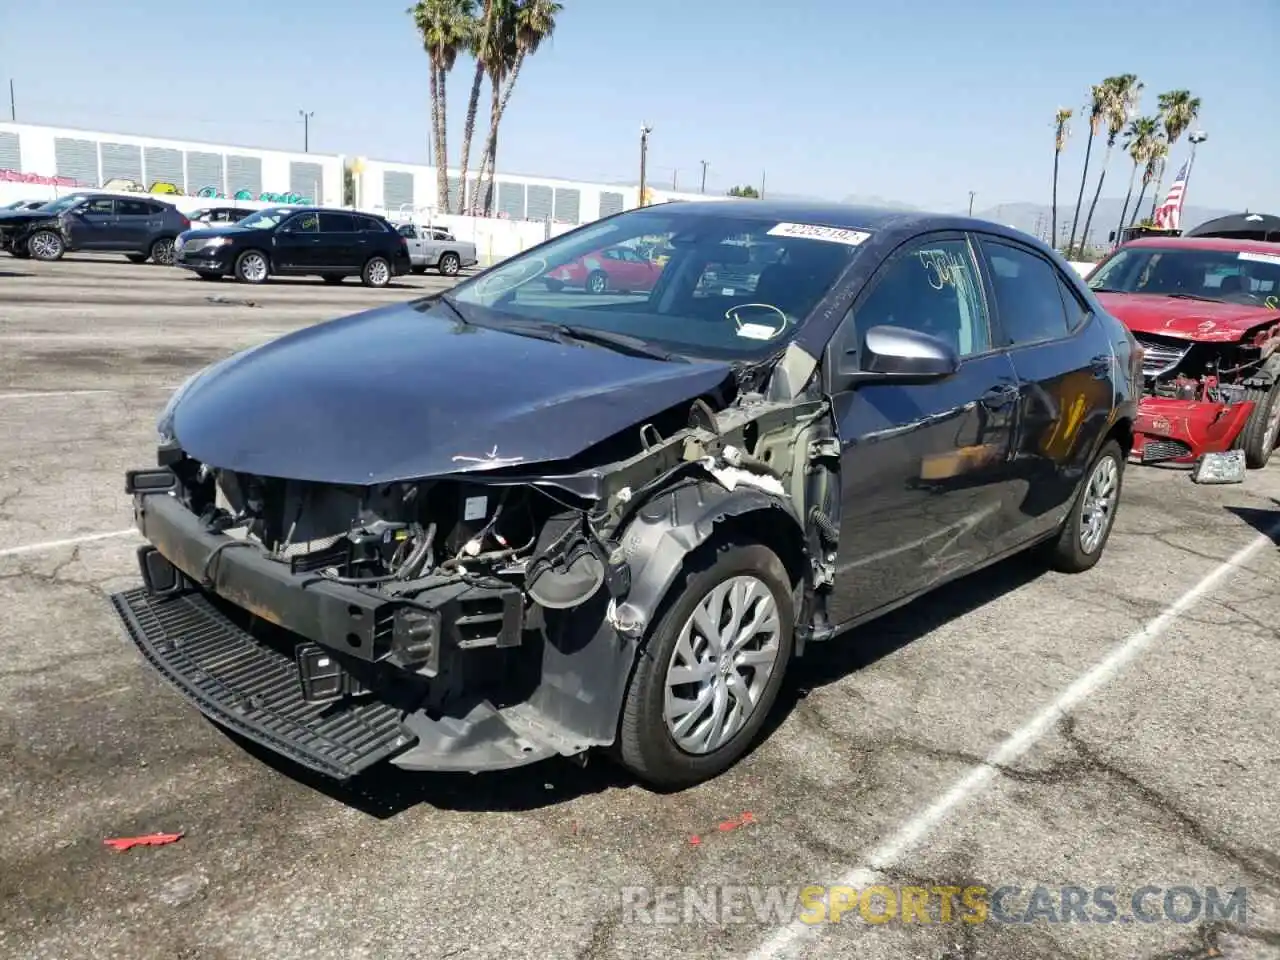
(757, 331)
(1273, 258)
(812, 231)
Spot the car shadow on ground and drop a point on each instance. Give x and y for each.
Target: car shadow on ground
(349, 283)
(387, 791)
(12, 273)
(1264, 521)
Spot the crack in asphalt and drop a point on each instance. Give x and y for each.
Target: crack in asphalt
(1209, 940)
(56, 578)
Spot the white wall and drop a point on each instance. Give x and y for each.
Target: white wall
(37, 157)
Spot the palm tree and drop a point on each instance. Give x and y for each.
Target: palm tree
(1138, 139)
(444, 26)
(1157, 150)
(1178, 111)
(1097, 110)
(1061, 132)
(1125, 93)
(482, 47)
(532, 23)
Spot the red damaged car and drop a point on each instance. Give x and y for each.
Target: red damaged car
(1206, 312)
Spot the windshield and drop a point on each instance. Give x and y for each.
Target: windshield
(57, 206)
(1226, 275)
(263, 218)
(704, 283)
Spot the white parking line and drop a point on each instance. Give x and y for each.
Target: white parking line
(50, 393)
(69, 542)
(785, 938)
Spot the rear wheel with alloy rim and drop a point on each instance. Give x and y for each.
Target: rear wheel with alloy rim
(449, 265)
(1085, 532)
(377, 273)
(251, 267)
(46, 245)
(162, 251)
(711, 669)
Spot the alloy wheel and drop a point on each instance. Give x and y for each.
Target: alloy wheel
(45, 246)
(1099, 504)
(253, 267)
(379, 273)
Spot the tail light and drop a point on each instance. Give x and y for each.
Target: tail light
(182, 219)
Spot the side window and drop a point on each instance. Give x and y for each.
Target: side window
(337, 223)
(1077, 311)
(407, 231)
(303, 223)
(369, 225)
(133, 208)
(103, 207)
(1027, 298)
(931, 288)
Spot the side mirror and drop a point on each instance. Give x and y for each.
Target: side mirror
(899, 355)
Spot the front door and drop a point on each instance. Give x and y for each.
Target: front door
(925, 467)
(93, 225)
(297, 244)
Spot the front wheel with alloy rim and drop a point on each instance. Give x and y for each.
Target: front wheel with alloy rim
(46, 245)
(711, 668)
(1262, 429)
(597, 283)
(377, 273)
(449, 265)
(1085, 532)
(162, 251)
(251, 267)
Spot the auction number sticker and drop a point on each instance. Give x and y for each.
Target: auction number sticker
(1260, 257)
(813, 231)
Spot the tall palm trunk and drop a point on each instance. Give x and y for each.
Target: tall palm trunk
(1053, 218)
(1106, 159)
(1137, 207)
(498, 107)
(1084, 175)
(1155, 196)
(468, 131)
(437, 121)
(1133, 174)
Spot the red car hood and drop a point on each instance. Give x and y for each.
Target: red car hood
(1186, 319)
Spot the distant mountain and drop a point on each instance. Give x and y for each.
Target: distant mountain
(1034, 218)
(860, 200)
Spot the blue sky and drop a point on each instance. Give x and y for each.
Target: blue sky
(918, 102)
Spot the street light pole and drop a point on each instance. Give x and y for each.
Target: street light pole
(972, 194)
(306, 129)
(703, 189)
(645, 130)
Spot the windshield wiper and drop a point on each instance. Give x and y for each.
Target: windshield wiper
(620, 342)
(1190, 296)
(1107, 290)
(453, 308)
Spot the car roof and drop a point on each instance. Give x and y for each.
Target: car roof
(1223, 244)
(844, 215)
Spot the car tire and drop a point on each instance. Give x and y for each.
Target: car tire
(1079, 543)
(46, 245)
(161, 252)
(597, 282)
(1262, 429)
(449, 265)
(376, 273)
(554, 286)
(136, 257)
(333, 277)
(252, 266)
(646, 744)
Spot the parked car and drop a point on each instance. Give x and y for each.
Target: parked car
(484, 528)
(207, 217)
(298, 241)
(615, 269)
(1207, 314)
(437, 248)
(142, 228)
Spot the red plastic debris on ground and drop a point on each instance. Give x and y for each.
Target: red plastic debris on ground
(150, 840)
(736, 822)
(695, 840)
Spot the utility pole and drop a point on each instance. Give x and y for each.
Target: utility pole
(674, 173)
(762, 184)
(645, 130)
(13, 108)
(703, 188)
(306, 129)
(972, 194)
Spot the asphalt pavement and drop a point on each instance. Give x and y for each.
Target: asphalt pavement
(1018, 729)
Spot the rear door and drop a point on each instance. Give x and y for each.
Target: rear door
(925, 467)
(1066, 371)
(136, 221)
(93, 225)
(341, 245)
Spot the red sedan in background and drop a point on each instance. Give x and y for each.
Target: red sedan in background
(608, 270)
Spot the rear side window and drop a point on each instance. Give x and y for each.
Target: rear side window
(1027, 294)
(133, 208)
(370, 225)
(1077, 311)
(337, 223)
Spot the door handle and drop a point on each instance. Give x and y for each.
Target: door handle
(999, 396)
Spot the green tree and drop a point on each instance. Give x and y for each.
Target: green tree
(1123, 95)
(444, 27)
(1062, 130)
(745, 191)
(1178, 111)
(1157, 150)
(1137, 143)
(1097, 108)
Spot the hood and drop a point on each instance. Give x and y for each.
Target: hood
(406, 392)
(11, 218)
(1186, 319)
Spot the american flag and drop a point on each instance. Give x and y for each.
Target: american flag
(1169, 213)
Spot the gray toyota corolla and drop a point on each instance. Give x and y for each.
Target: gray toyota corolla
(513, 521)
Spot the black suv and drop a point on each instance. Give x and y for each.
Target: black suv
(298, 241)
(142, 228)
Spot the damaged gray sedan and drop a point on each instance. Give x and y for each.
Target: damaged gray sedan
(512, 521)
